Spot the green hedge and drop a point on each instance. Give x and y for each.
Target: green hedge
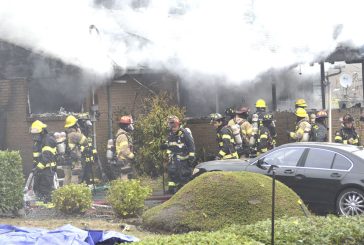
(201, 238)
(11, 181)
(309, 231)
(329, 230)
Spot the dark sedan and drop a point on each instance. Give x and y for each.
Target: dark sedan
(328, 177)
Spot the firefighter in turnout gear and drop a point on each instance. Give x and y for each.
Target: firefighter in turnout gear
(75, 141)
(233, 123)
(264, 138)
(246, 129)
(225, 138)
(303, 127)
(88, 153)
(180, 147)
(44, 160)
(347, 133)
(301, 103)
(261, 111)
(319, 131)
(124, 149)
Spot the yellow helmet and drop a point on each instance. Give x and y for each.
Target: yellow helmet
(37, 127)
(260, 104)
(70, 121)
(300, 112)
(301, 103)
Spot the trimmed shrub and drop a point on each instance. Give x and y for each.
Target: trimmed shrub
(308, 231)
(314, 230)
(11, 181)
(217, 199)
(72, 198)
(201, 238)
(127, 197)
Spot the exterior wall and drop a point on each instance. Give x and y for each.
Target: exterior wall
(15, 119)
(126, 98)
(204, 134)
(14, 104)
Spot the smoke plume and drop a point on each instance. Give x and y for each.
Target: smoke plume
(237, 40)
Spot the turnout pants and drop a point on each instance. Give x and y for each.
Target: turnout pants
(179, 171)
(87, 173)
(43, 183)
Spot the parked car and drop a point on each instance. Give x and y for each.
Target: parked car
(329, 177)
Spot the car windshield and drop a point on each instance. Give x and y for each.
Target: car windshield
(359, 153)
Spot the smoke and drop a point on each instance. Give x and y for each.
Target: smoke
(237, 40)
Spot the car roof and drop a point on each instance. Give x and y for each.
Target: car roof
(325, 145)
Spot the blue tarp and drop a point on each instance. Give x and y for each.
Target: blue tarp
(64, 235)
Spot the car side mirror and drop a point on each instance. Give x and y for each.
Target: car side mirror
(260, 164)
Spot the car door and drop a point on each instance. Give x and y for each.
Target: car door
(323, 172)
(287, 160)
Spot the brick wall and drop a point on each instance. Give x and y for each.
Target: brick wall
(15, 121)
(205, 135)
(14, 102)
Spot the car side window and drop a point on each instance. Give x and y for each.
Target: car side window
(285, 157)
(341, 163)
(317, 158)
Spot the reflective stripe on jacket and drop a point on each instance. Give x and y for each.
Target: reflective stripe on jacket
(226, 143)
(302, 132)
(124, 145)
(181, 144)
(347, 136)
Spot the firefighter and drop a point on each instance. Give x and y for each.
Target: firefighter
(75, 140)
(230, 113)
(319, 132)
(347, 133)
(225, 138)
(246, 129)
(124, 148)
(88, 153)
(233, 123)
(44, 160)
(301, 103)
(180, 147)
(261, 110)
(264, 138)
(303, 127)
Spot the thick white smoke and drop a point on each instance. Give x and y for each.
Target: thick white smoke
(236, 39)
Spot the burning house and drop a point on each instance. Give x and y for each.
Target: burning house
(33, 86)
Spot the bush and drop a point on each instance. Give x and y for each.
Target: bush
(151, 131)
(308, 231)
(11, 181)
(127, 197)
(217, 199)
(200, 238)
(72, 198)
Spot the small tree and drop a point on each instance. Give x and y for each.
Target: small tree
(151, 131)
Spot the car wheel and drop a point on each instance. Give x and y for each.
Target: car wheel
(350, 202)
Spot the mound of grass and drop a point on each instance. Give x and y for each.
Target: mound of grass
(218, 199)
(309, 231)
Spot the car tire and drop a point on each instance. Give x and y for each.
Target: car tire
(350, 202)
